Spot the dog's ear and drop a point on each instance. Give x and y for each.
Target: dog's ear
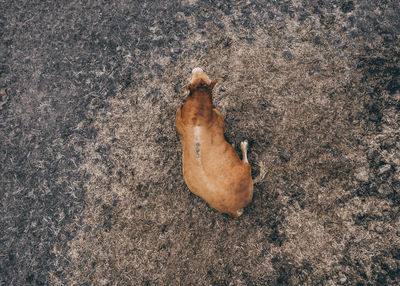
(213, 83)
(189, 88)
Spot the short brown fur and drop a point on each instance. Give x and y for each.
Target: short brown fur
(211, 167)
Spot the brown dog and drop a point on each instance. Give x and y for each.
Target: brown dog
(211, 166)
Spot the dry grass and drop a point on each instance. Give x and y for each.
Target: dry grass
(302, 106)
(91, 162)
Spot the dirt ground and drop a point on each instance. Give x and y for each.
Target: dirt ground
(91, 183)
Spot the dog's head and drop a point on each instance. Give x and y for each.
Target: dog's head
(200, 80)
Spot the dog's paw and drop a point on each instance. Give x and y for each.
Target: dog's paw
(244, 144)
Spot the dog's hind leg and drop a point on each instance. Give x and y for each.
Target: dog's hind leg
(243, 146)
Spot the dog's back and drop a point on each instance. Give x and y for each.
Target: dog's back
(211, 166)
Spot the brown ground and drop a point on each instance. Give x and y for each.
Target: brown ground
(314, 88)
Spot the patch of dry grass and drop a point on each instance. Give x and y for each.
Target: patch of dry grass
(301, 103)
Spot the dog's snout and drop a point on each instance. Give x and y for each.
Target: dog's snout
(199, 75)
(195, 70)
